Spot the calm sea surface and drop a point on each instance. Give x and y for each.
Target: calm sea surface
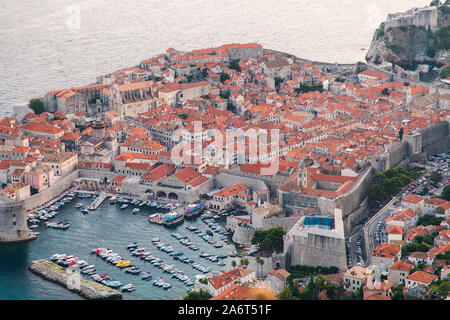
(54, 44)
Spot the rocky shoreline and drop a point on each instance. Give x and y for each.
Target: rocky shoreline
(87, 289)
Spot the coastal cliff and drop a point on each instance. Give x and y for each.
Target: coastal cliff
(411, 42)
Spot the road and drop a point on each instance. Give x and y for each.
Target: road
(381, 215)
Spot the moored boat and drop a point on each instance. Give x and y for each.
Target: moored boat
(173, 218)
(128, 288)
(193, 210)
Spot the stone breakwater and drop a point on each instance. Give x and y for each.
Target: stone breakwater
(72, 281)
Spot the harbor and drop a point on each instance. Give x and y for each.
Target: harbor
(184, 251)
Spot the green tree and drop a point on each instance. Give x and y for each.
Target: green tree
(225, 95)
(198, 295)
(286, 294)
(304, 88)
(233, 264)
(397, 292)
(441, 288)
(446, 193)
(37, 105)
(436, 177)
(261, 262)
(435, 3)
(234, 64)
(425, 191)
(400, 134)
(445, 72)
(224, 77)
(270, 239)
(359, 293)
(278, 81)
(385, 92)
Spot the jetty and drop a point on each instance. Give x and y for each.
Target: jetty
(72, 281)
(98, 201)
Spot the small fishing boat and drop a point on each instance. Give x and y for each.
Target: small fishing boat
(123, 264)
(114, 284)
(132, 245)
(79, 205)
(128, 288)
(133, 270)
(146, 276)
(136, 210)
(124, 206)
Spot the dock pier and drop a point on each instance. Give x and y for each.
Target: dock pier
(98, 201)
(85, 288)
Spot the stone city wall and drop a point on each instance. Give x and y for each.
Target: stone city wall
(314, 249)
(51, 194)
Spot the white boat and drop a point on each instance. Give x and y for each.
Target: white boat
(124, 206)
(136, 210)
(128, 287)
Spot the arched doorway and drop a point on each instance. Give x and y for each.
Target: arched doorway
(161, 194)
(150, 194)
(173, 196)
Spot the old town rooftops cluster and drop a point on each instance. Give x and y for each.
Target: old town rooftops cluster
(336, 124)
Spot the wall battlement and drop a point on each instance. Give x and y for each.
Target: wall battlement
(419, 17)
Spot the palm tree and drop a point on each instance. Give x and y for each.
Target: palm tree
(258, 261)
(261, 262)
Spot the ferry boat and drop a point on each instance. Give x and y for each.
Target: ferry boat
(193, 210)
(173, 218)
